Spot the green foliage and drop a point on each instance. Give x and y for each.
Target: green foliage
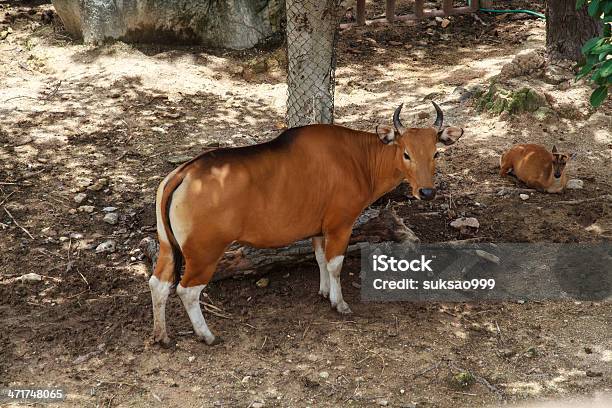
(598, 51)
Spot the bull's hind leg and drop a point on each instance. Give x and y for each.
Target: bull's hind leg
(335, 246)
(318, 244)
(160, 284)
(199, 270)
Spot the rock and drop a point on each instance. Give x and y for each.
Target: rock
(111, 218)
(543, 113)
(395, 43)
(523, 64)
(487, 256)
(263, 283)
(30, 277)
(76, 235)
(98, 185)
(324, 375)
(179, 159)
(445, 23)
(588, 350)
(106, 246)
(460, 94)
(79, 198)
(592, 373)
(109, 209)
(500, 99)
(86, 208)
(258, 404)
(463, 222)
(22, 140)
(524, 196)
(575, 184)
(159, 130)
(423, 115)
(383, 402)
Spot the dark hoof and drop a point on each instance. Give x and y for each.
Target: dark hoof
(216, 340)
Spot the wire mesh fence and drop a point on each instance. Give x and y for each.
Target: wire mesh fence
(312, 33)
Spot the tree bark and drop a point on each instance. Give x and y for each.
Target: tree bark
(311, 40)
(225, 24)
(374, 226)
(567, 29)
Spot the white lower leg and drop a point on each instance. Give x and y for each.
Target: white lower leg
(334, 267)
(159, 296)
(323, 272)
(191, 300)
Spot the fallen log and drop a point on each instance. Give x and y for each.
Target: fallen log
(374, 226)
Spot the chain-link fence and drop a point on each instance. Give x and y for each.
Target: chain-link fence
(312, 33)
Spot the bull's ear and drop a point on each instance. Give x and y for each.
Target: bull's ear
(386, 134)
(449, 135)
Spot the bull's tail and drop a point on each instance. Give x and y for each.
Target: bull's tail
(164, 228)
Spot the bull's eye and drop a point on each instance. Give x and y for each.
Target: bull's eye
(406, 156)
(436, 155)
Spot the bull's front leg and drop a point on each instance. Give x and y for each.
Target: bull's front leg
(336, 242)
(318, 244)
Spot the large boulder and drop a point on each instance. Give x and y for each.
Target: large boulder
(234, 24)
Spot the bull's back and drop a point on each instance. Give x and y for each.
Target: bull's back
(532, 164)
(272, 194)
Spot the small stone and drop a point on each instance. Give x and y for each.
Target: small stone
(524, 196)
(396, 43)
(439, 19)
(179, 159)
(159, 130)
(445, 22)
(465, 222)
(107, 246)
(575, 184)
(87, 208)
(191, 359)
(588, 350)
(423, 115)
(258, 404)
(592, 373)
(98, 185)
(79, 198)
(383, 402)
(263, 283)
(324, 375)
(109, 209)
(111, 218)
(76, 235)
(30, 277)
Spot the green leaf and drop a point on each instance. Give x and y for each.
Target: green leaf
(584, 71)
(608, 7)
(594, 8)
(590, 44)
(599, 95)
(606, 69)
(580, 4)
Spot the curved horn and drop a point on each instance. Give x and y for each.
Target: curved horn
(396, 120)
(439, 116)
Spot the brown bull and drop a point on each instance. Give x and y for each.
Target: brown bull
(311, 181)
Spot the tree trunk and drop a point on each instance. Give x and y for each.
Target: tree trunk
(374, 225)
(567, 29)
(311, 40)
(226, 24)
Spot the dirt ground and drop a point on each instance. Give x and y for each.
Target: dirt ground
(109, 121)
